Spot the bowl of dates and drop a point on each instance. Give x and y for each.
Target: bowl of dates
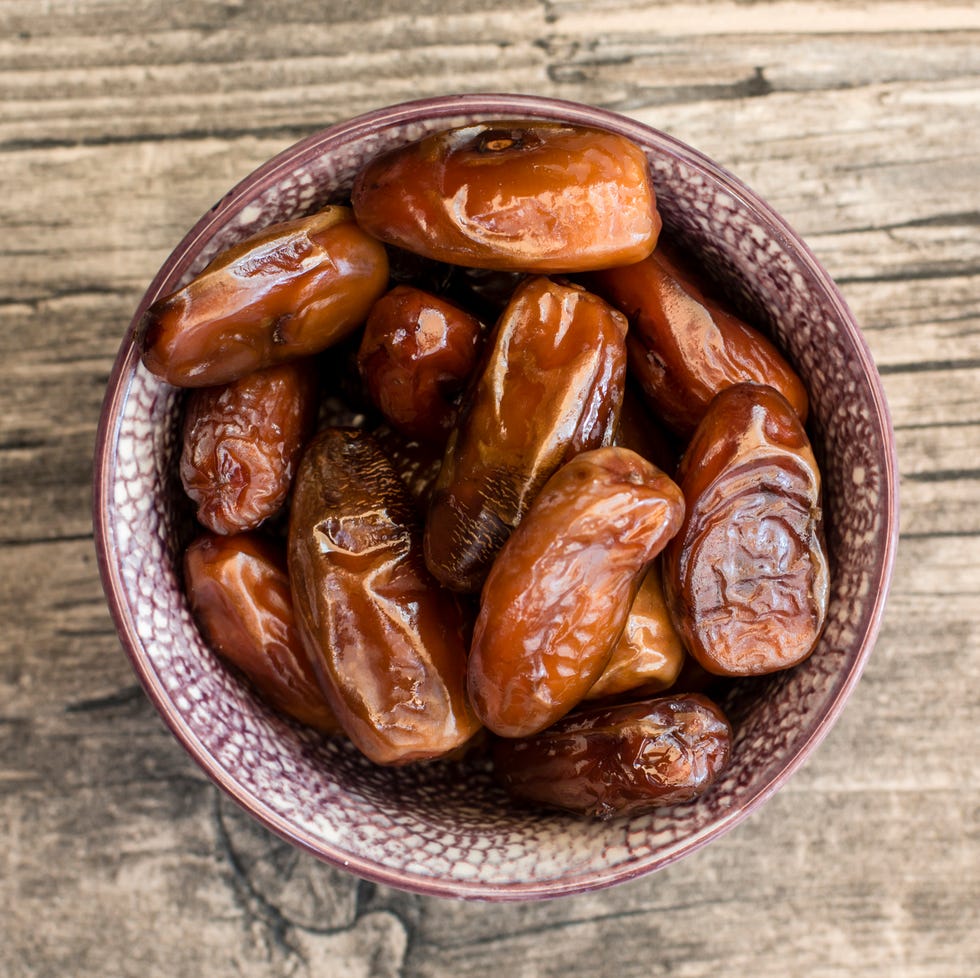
(495, 497)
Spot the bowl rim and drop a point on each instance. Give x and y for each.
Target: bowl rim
(120, 382)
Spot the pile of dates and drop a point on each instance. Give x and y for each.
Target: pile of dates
(479, 463)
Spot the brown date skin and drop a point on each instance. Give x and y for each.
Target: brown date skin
(746, 578)
(238, 590)
(242, 442)
(559, 593)
(388, 645)
(684, 347)
(520, 195)
(416, 355)
(551, 387)
(289, 291)
(416, 462)
(649, 654)
(605, 762)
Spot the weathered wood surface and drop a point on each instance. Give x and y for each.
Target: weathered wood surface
(120, 124)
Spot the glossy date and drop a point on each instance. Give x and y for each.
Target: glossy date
(623, 760)
(558, 595)
(239, 593)
(291, 290)
(685, 347)
(551, 387)
(416, 355)
(242, 442)
(388, 645)
(747, 577)
(519, 195)
(649, 654)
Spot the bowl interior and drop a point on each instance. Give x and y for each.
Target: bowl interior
(445, 828)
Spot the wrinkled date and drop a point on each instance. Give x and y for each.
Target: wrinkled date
(621, 760)
(551, 388)
(291, 290)
(527, 196)
(388, 645)
(746, 578)
(684, 347)
(416, 354)
(238, 589)
(649, 654)
(242, 442)
(559, 593)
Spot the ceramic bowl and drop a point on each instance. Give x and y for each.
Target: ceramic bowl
(446, 828)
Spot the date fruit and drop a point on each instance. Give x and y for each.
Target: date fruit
(527, 196)
(242, 442)
(416, 355)
(558, 595)
(387, 643)
(238, 589)
(621, 760)
(684, 347)
(649, 654)
(551, 387)
(746, 578)
(289, 291)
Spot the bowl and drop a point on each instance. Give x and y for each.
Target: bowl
(446, 828)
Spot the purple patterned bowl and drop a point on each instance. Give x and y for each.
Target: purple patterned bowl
(446, 829)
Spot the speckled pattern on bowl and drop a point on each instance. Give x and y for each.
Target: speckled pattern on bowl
(446, 829)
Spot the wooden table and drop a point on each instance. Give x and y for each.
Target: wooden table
(121, 123)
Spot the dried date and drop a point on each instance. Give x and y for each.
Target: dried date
(239, 593)
(242, 442)
(649, 654)
(747, 578)
(416, 355)
(552, 387)
(387, 643)
(684, 347)
(527, 196)
(289, 291)
(619, 761)
(558, 595)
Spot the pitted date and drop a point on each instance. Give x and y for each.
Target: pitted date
(619, 761)
(684, 347)
(552, 387)
(388, 645)
(416, 355)
(289, 291)
(649, 654)
(519, 195)
(242, 442)
(558, 595)
(746, 578)
(239, 593)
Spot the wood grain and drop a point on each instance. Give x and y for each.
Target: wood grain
(120, 124)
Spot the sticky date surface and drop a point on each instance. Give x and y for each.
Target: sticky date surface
(242, 442)
(559, 593)
(388, 645)
(291, 290)
(551, 387)
(239, 593)
(684, 347)
(416, 355)
(523, 195)
(624, 760)
(747, 577)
